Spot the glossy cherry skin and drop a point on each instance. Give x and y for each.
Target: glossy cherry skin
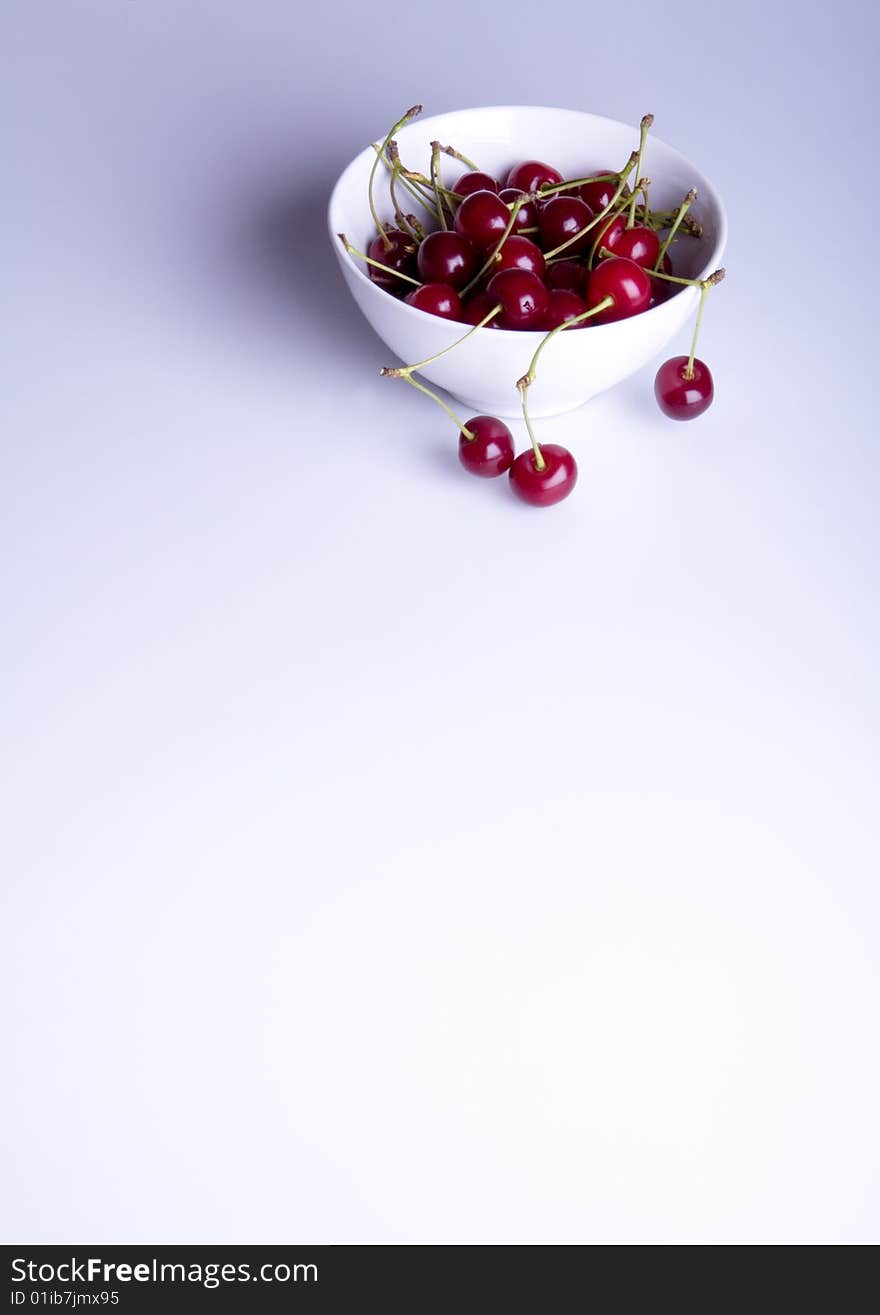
(532, 174)
(476, 308)
(401, 254)
(639, 244)
(542, 488)
(681, 398)
(564, 306)
(490, 452)
(567, 274)
(598, 194)
(476, 181)
(562, 218)
(436, 299)
(482, 218)
(626, 282)
(527, 215)
(607, 235)
(447, 258)
(520, 253)
(523, 296)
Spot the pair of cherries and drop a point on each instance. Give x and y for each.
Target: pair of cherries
(487, 450)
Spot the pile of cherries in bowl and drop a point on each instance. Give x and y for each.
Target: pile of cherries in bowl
(533, 251)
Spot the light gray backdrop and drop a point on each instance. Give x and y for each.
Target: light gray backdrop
(383, 861)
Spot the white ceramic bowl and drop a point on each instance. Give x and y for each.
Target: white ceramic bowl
(578, 364)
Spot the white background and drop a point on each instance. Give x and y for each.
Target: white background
(383, 860)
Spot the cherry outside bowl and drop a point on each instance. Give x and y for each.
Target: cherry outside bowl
(482, 374)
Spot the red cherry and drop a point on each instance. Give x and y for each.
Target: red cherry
(476, 181)
(564, 306)
(524, 298)
(400, 255)
(567, 274)
(482, 217)
(639, 244)
(661, 290)
(598, 194)
(626, 282)
(560, 219)
(681, 398)
(531, 174)
(541, 488)
(608, 234)
(446, 258)
(436, 299)
(490, 452)
(527, 215)
(520, 253)
(476, 308)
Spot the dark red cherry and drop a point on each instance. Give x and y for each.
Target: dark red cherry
(639, 244)
(400, 255)
(661, 290)
(476, 308)
(562, 218)
(564, 306)
(524, 298)
(527, 215)
(490, 452)
(436, 299)
(679, 397)
(447, 258)
(482, 218)
(541, 488)
(598, 194)
(520, 253)
(567, 274)
(626, 282)
(531, 174)
(607, 235)
(476, 181)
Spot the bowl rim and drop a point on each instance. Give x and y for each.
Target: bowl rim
(705, 186)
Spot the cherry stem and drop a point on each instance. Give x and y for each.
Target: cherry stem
(429, 392)
(523, 387)
(399, 217)
(712, 281)
(688, 372)
(410, 114)
(644, 128)
(437, 183)
(406, 179)
(402, 371)
(525, 383)
(457, 155)
(543, 192)
(515, 208)
(682, 211)
(353, 251)
(644, 184)
(603, 213)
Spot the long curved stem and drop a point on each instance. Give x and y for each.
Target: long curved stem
(353, 251)
(415, 383)
(401, 371)
(410, 114)
(525, 383)
(676, 223)
(688, 371)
